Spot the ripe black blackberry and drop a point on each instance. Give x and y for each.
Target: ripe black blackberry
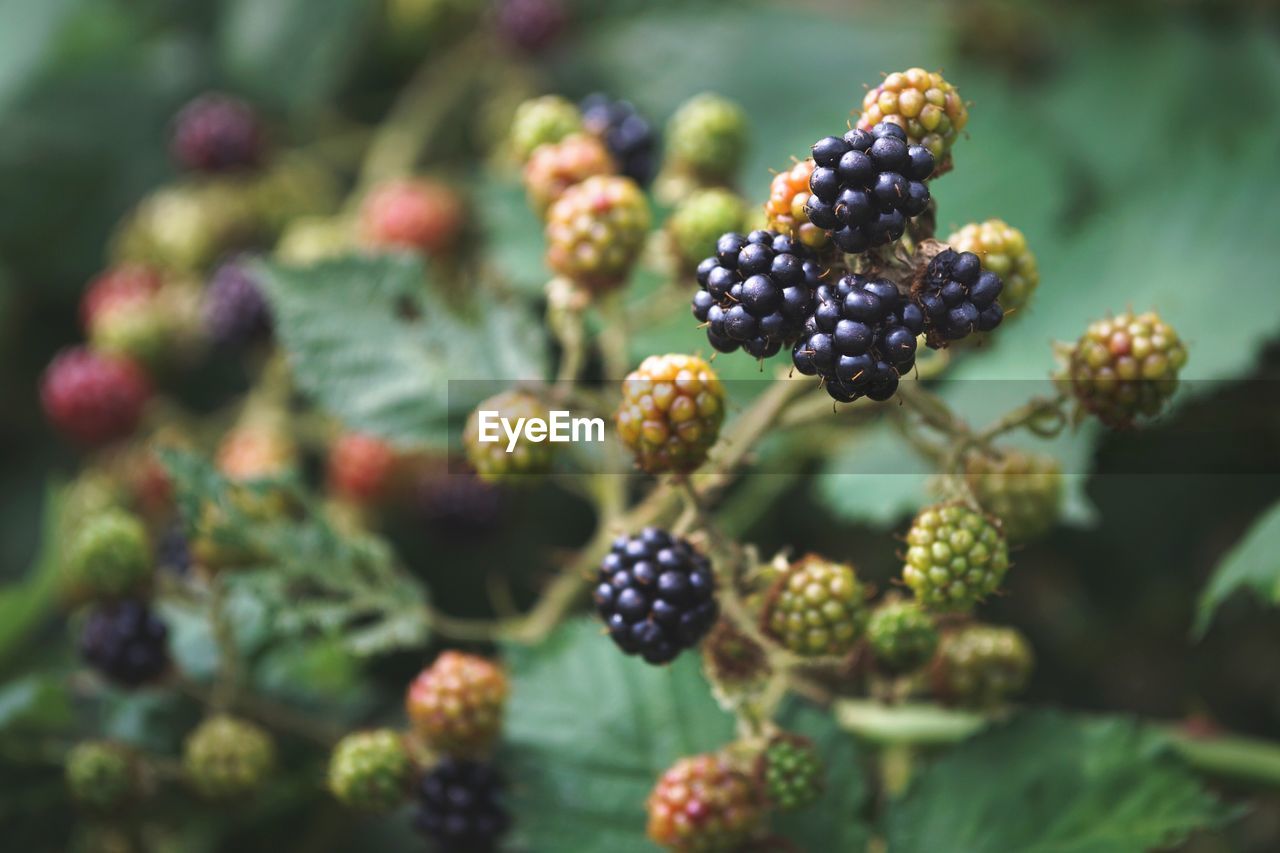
(866, 185)
(628, 135)
(236, 312)
(756, 292)
(656, 595)
(126, 642)
(860, 338)
(217, 133)
(460, 807)
(958, 297)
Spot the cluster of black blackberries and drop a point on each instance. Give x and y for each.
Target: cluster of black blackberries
(126, 642)
(656, 595)
(866, 185)
(460, 806)
(755, 292)
(628, 135)
(860, 339)
(958, 297)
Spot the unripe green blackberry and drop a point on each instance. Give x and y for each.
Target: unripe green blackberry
(704, 804)
(901, 635)
(671, 411)
(595, 231)
(371, 771)
(554, 167)
(109, 557)
(311, 239)
(700, 219)
(1002, 250)
(923, 104)
(1125, 367)
(102, 775)
(186, 227)
(456, 704)
(784, 211)
(790, 772)
(956, 557)
(227, 757)
(707, 138)
(1023, 490)
(816, 607)
(981, 666)
(486, 443)
(295, 186)
(540, 121)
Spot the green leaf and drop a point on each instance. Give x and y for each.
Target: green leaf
(1049, 782)
(36, 701)
(590, 731)
(835, 821)
(295, 52)
(1253, 564)
(874, 477)
(25, 603)
(377, 347)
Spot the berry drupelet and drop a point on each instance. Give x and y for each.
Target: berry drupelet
(126, 642)
(958, 297)
(756, 291)
(866, 185)
(460, 807)
(656, 595)
(860, 338)
(628, 135)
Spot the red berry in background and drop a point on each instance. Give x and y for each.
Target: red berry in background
(530, 26)
(218, 133)
(456, 704)
(93, 398)
(361, 467)
(704, 804)
(411, 213)
(115, 288)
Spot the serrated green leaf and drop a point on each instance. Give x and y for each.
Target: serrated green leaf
(1253, 564)
(378, 348)
(1047, 781)
(590, 731)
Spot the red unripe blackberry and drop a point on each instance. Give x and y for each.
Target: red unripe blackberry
(361, 467)
(217, 133)
(456, 704)
(117, 287)
(595, 231)
(704, 804)
(411, 213)
(93, 398)
(784, 211)
(1125, 368)
(554, 167)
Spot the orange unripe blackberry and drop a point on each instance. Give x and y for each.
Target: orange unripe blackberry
(671, 411)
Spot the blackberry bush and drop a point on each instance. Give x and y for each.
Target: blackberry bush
(595, 231)
(866, 186)
(656, 595)
(981, 666)
(860, 338)
(218, 133)
(755, 292)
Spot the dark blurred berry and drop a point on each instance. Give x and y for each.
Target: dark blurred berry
(530, 26)
(235, 310)
(126, 642)
(217, 133)
(628, 135)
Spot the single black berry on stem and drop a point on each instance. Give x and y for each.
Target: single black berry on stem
(126, 642)
(460, 807)
(866, 185)
(860, 339)
(958, 297)
(628, 135)
(235, 310)
(756, 291)
(656, 595)
(217, 133)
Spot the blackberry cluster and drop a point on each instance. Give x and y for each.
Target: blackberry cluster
(235, 310)
(756, 292)
(628, 135)
(656, 595)
(860, 338)
(958, 297)
(866, 185)
(460, 807)
(126, 642)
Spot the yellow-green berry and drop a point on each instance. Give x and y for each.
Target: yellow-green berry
(371, 771)
(102, 775)
(1023, 490)
(1002, 250)
(109, 557)
(456, 704)
(923, 104)
(707, 138)
(555, 166)
(487, 445)
(956, 557)
(595, 231)
(981, 666)
(1125, 368)
(226, 757)
(700, 219)
(901, 635)
(671, 411)
(540, 121)
(791, 772)
(817, 607)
